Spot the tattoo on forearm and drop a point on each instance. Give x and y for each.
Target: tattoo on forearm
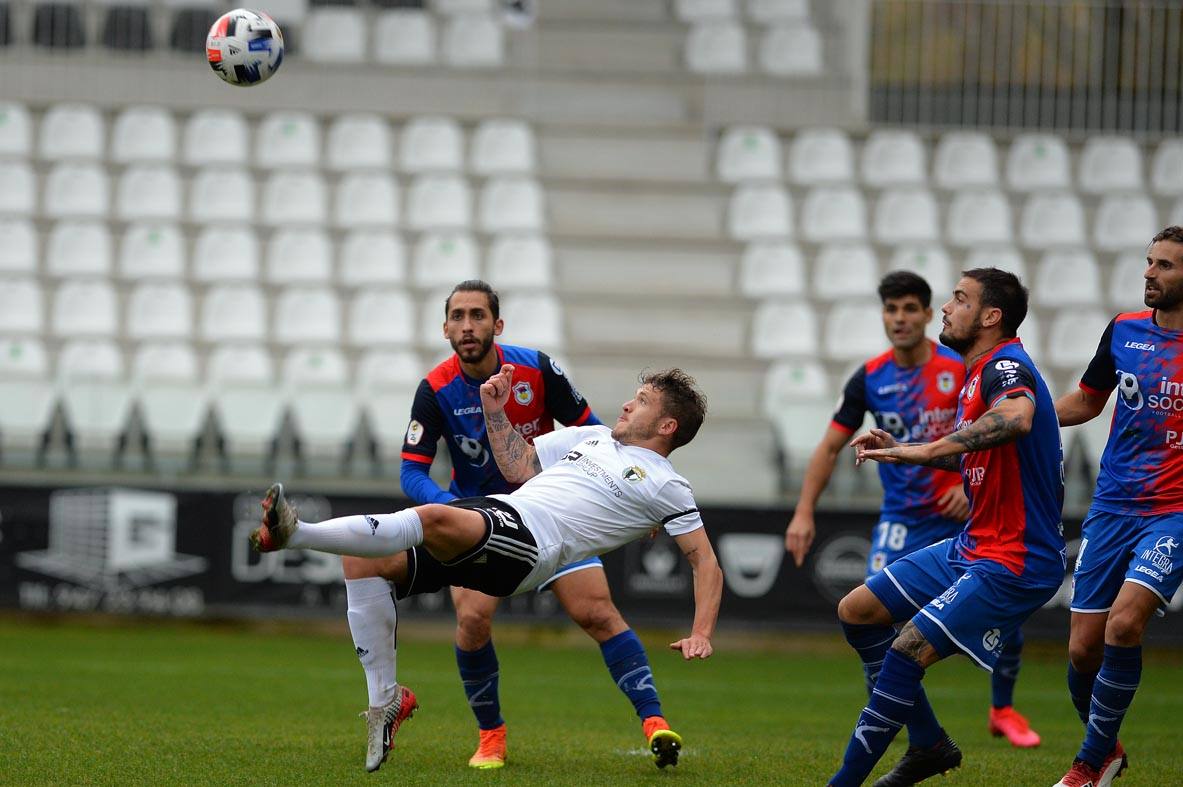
(510, 449)
(988, 431)
(952, 463)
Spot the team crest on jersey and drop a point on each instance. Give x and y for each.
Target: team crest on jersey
(414, 432)
(945, 382)
(972, 388)
(523, 394)
(634, 474)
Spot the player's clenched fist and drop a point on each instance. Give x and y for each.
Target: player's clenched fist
(495, 390)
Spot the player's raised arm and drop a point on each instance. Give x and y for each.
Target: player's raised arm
(517, 459)
(708, 593)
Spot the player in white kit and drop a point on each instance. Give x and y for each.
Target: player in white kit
(585, 491)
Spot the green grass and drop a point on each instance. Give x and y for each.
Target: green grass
(115, 703)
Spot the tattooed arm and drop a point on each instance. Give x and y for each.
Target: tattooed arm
(516, 458)
(1007, 421)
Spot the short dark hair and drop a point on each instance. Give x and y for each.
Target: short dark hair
(899, 284)
(680, 400)
(1003, 290)
(1172, 233)
(476, 285)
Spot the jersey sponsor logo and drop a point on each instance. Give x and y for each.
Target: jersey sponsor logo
(556, 368)
(946, 598)
(530, 428)
(932, 424)
(633, 474)
(523, 394)
(1130, 391)
(1140, 346)
(1149, 572)
(893, 424)
(945, 382)
(1161, 557)
(992, 640)
(473, 449)
(593, 470)
(975, 475)
(414, 432)
(1168, 398)
(1009, 371)
(467, 410)
(1175, 440)
(883, 390)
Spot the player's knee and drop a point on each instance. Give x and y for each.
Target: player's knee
(358, 567)
(474, 627)
(1124, 628)
(599, 617)
(1085, 656)
(431, 515)
(856, 609)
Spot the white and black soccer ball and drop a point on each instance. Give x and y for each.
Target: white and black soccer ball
(244, 47)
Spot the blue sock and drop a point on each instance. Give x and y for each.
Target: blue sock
(1080, 688)
(625, 656)
(891, 703)
(479, 674)
(872, 643)
(1006, 672)
(1121, 670)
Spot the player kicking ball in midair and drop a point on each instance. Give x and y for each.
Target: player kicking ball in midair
(967, 594)
(585, 491)
(911, 390)
(1133, 533)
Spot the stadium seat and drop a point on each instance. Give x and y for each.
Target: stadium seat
(127, 27)
(18, 189)
(386, 382)
(965, 159)
(380, 317)
(854, 331)
(1127, 282)
(366, 199)
(306, 315)
(980, 216)
(502, 146)
(148, 191)
(472, 41)
(532, 319)
(159, 310)
(932, 263)
(767, 12)
(431, 144)
(233, 313)
(451, 7)
(1037, 161)
(324, 408)
(1067, 277)
(1166, 171)
(247, 403)
(844, 270)
(335, 35)
(95, 396)
(72, 131)
(79, 248)
(834, 213)
(405, 37)
(718, 47)
(1124, 221)
(1094, 434)
(759, 211)
(85, 307)
(287, 139)
(444, 258)
(58, 25)
(221, 194)
(771, 270)
(1031, 335)
(16, 130)
(372, 257)
(144, 134)
(512, 204)
(169, 360)
(892, 158)
(19, 248)
(294, 197)
(172, 403)
(77, 191)
(439, 202)
(20, 306)
(1073, 339)
(691, 11)
(190, 26)
(521, 262)
(797, 398)
(821, 155)
(26, 394)
(748, 153)
(791, 49)
(299, 255)
(784, 328)
(223, 254)
(152, 251)
(215, 136)
(1052, 219)
(1005, 258)
(1110, 164)
(905, 215)
(358, 141)
(288, 11)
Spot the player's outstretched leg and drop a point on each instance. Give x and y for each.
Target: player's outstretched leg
(1005, 721)
(382, 724)
(480, 674)
(664, 743)
(279, 522)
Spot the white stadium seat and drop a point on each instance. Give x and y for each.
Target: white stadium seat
(1166, 171)
(1110, 164)
(1073, 339)
(172, 405)
(502, 146)
(372, 257)
(216, 136)
(766, 12)
(798, 400)
(148, 191)
(95, 397)
(1125, 221)
(219, 194)
(358, 141)
(18, 189)
(240, 363)
(512, 204)
(79, 248)
(309, 315)
(844, 270)
(229, 253)
(759, 211)
(532, 319)
(21, 310)
(1005, 258)
(771, 270)
(324, 408)
(1052, 219)
(821, 155)
(72, 131)
(85, 308)
(1127, 282)
(26, 394)
(906, 215)
(854, 331)
(451, 7)
(171, 361)
(246, 401)
(748, 153)
(162, 310)
(1067, 277)
(16, 129)
(699, 10)
(783, 328)
(718, 47)
(287, 139)
(76, 191)
(791, 49)
(473, 41)
(892, 157)
(233, 313)
(294, 197)
(521, 262)
(387, 380)
(933, 264)
(90, 359)
(1037, 161)
(19, 247)
(430, 144)
(834, 213)
(335, 35)
(299, 255)
(444, 258)
(1031, 335)
(381, 369)
(285, 11)
(980, 216)
(405, 37)
(965, 159)
(439, 202)
(152, 251)
(382, 317)
(366, 199)
(144, 134)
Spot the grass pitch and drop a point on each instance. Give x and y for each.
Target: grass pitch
(169, 703)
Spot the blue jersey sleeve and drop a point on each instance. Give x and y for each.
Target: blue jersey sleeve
(1005, 378)
(417, 484)
(563, 400)
(852, 407)
(423, 432)
(1101, 374)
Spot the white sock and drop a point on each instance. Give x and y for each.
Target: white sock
(364, 535)
(373, 622)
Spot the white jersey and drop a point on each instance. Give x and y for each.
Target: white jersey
(595, 494)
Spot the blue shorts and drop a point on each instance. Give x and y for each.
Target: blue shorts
(571, 568)
(896, 536)
(974, 606)
(1119, 548)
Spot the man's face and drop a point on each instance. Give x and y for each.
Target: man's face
(470, 326)
(640, 417)
(961, 317)
(904, 319)
(1164, 275)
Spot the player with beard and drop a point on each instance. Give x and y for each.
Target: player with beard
(448, 406)
(1133, 533)
(971, 593)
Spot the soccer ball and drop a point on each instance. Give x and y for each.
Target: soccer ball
(244, 47)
